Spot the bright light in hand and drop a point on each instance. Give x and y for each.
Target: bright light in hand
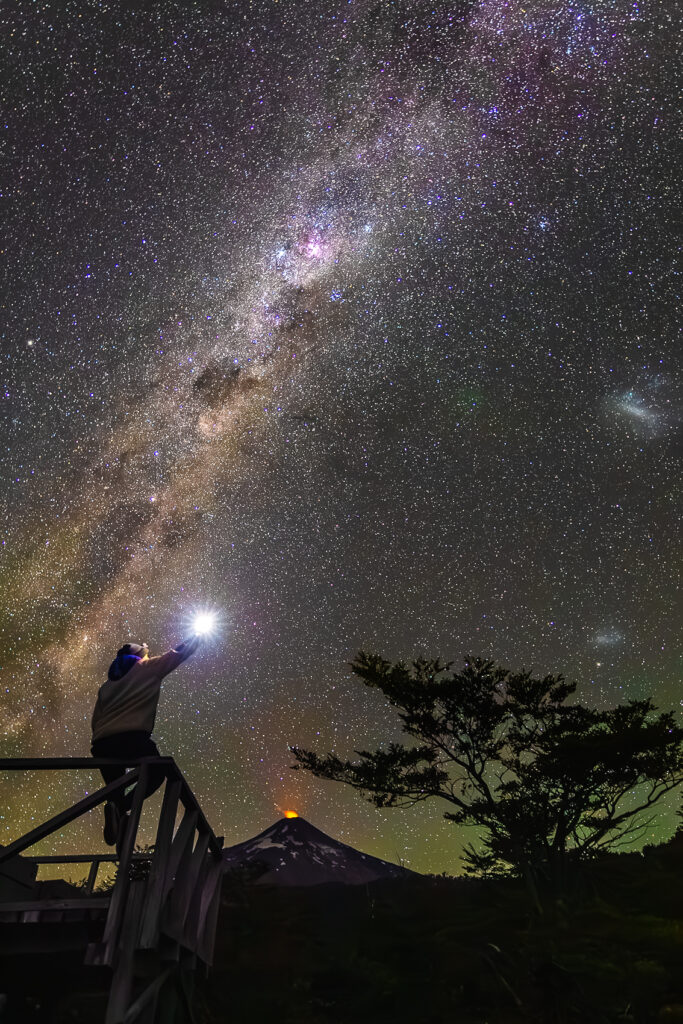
(203, 623)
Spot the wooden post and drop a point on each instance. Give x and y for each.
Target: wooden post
(184, 890)
(208, 910)
(92, 877)
(156, 885)
(182, 838)
(118, 899)
(124, 961)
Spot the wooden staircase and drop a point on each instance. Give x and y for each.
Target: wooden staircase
(132, 950)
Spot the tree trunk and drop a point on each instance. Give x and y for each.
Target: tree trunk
(532, 888)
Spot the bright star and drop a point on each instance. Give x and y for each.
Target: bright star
(204, 623)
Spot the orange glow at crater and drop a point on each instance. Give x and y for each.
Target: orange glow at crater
(291, 814)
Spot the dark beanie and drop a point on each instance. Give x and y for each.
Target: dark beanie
(126, 657)
(131, 649)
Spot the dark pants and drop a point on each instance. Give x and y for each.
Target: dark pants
(128, 745)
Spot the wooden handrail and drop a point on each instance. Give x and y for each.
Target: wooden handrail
(82, 858)
(67, 816)
(24, 764)
(189, 801)
(172, 772)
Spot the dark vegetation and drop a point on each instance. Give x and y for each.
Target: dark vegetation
(427, 950)
(558, 925)
(448, 949)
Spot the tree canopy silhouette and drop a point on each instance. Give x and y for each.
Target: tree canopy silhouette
(546, 780)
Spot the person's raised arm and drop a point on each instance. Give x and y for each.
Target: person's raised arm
(165, 663)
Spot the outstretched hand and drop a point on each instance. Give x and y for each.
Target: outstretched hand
(192, 641)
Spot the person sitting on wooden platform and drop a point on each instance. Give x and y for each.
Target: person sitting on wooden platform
(123, 720)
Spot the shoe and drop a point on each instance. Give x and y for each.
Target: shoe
(112, 820)
(121, 834)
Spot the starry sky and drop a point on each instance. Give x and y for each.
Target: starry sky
(354, 320)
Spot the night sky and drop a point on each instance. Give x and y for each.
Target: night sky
(357, 322)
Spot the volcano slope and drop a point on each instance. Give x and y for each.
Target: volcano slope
(292, 852)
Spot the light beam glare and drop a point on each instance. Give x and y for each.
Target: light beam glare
(204, 623)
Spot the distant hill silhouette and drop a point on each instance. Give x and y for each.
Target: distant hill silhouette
(293, 852)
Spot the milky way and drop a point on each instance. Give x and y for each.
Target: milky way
(356, 322)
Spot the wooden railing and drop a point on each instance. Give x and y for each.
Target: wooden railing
(173, 907)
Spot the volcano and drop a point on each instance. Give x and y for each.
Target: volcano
(294, 852)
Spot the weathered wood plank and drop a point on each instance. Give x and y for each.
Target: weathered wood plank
(184, 891)
(193, 923)
(82, 858)
(183, 838)
(64, 817)
(126, 942)
(92, 876)
(185, 888)
(190, 801)
(201, 914)
(118, 898)
(156, 886)
(186, 927)
(208, 911)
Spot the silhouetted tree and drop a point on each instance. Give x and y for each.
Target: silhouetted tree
(546, 781)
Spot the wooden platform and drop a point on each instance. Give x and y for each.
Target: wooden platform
(137, 944)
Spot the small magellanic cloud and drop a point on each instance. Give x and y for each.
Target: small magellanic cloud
(608, 637)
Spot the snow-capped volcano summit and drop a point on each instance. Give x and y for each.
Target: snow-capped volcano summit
(294, 852)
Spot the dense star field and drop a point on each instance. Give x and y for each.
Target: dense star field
(357, 322)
